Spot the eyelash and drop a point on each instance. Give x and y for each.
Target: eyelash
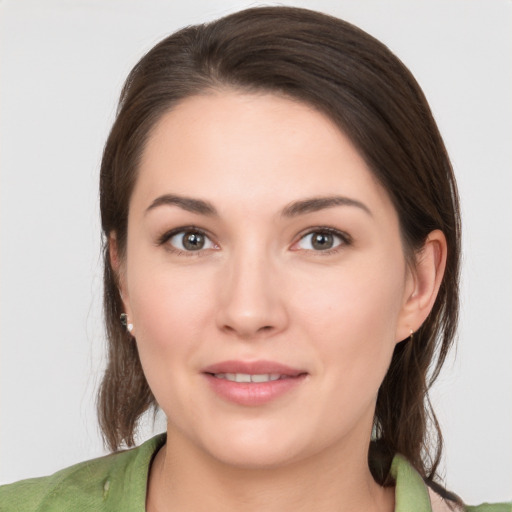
(345, 238)
(184, 229)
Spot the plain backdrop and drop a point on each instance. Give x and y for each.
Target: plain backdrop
(62, 66)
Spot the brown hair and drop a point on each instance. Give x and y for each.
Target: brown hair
(373, 98)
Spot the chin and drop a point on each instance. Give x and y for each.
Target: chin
(257, 448)
(254, 457)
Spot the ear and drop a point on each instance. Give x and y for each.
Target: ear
(422, 284)
(117, 264)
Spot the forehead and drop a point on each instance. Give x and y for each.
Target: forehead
(259, 148)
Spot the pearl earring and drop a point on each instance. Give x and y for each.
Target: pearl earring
(124, 321)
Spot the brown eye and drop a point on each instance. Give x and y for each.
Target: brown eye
(190, 241)
(321, 241)
(193, 241)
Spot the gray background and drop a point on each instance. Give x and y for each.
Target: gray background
(62, 67)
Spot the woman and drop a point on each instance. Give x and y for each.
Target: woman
(281, 261)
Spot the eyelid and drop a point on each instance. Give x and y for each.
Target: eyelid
(164, 239)
(345, 238)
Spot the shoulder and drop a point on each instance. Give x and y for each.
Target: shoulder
(490, 507)
(90, 485)
(412, 493)
(439, 504)
(76, 485)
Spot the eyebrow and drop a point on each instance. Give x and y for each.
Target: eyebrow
(294, 209)
(315, 204)
(186, 203)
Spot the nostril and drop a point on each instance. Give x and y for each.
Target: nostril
(247, 332)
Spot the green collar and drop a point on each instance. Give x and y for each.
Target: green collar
(410, 490)
(130, 490)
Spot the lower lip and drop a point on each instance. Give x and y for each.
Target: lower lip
(253, 393)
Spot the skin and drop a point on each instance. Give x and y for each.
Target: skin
(259, 290)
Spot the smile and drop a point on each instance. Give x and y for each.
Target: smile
(246, 377)
(254, 383)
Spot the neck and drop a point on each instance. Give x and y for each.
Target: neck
(182, 477)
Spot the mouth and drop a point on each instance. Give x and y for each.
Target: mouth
(247, 377)
(253, 383)
(252, 371)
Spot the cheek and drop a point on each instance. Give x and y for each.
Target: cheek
(171, 311)
(352, 316)
(364, 295)
(166, 303)
(351, 320)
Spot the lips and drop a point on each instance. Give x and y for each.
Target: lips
(253, 368)
(247, 377)
(252, 383)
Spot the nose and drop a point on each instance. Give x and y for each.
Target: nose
(252, 304)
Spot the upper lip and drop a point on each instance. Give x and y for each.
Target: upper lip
(253, 368)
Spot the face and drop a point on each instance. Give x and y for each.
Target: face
(265, 278)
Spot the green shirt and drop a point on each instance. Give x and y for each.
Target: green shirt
(118, 482)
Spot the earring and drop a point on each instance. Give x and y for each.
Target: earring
(411, 335)
(124, 321)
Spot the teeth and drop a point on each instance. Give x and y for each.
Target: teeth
(260, 378)
(246, 377)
